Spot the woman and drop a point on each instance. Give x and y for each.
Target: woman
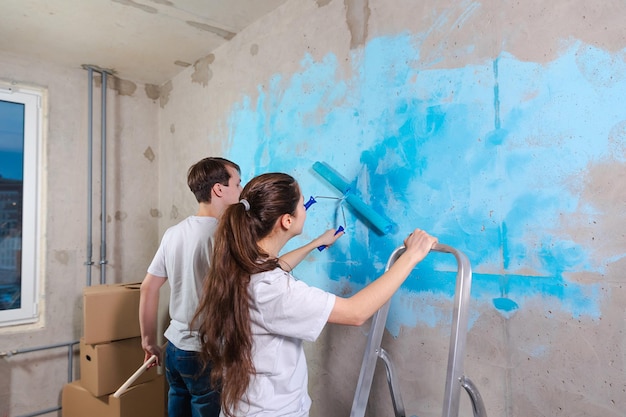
(254, 314)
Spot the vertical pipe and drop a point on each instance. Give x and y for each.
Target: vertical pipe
(103, 238)
(70, 363)
(89, 261)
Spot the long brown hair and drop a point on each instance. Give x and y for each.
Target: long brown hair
(223, 313)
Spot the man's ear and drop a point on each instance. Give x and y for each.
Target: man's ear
(217, 189)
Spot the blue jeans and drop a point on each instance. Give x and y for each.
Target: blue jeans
(190, 393)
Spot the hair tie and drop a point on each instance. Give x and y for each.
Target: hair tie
(245, 204)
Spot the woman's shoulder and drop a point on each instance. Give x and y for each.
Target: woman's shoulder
(272, 275)
(269, 285)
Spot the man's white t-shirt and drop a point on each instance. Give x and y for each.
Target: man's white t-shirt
(183, 258)
(283, 312)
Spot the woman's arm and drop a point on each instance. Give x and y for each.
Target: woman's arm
(362, 305)
(289, 260)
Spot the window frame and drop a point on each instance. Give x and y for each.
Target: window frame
(32, 98)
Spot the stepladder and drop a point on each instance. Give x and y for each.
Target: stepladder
(455, 378)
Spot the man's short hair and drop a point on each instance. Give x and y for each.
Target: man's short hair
(207, 172)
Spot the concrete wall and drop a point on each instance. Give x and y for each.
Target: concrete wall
(497, 126)
(132, 218)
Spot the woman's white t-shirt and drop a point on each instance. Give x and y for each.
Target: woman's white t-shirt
(283, 313)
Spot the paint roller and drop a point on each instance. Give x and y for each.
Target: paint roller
(378, 221)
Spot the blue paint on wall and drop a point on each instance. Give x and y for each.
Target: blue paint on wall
(490, 158)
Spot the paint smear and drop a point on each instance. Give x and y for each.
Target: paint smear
(462, 153)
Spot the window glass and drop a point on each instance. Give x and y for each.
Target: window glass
(19, 143)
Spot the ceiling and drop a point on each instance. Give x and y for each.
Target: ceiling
(146, 41)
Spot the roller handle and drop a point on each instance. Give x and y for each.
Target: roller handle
(309, 203)
(134, 376)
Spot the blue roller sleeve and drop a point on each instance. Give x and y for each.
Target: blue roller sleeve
(322, 247)
(381, 223)
(332, 177)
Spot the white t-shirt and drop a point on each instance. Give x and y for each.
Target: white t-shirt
(283, 312)
(183, 258)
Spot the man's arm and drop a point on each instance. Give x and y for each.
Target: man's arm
(148, 315)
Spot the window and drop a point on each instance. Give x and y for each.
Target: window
(20, 144)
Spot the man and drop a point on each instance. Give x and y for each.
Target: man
(183, 258)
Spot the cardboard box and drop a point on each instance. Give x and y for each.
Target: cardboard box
(110, 312)
(106, 366)
(143, 400)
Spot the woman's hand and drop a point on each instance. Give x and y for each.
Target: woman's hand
(418, 244)
(327, 238)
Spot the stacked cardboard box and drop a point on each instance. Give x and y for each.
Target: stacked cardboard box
(110, 352)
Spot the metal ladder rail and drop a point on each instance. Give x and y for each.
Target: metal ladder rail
(372, 349)
(454, 376)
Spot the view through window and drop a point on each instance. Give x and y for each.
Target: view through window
(11, 189)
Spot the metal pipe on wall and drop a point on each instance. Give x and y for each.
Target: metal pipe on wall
(70, 367)
(103, 220)
(103, 182)
(89, 261)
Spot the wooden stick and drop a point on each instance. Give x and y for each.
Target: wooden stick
(134, 376)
